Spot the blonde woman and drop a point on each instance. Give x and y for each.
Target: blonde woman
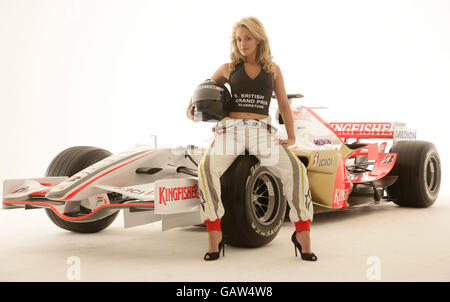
(253, 77)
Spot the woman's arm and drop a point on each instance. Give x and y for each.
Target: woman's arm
(284, 108)
(221, 76)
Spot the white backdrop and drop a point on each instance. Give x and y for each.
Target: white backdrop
(109, 73)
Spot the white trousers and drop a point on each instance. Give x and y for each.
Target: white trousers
(232, 138)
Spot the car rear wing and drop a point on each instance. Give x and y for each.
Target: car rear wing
(396, 131)
(356, 130)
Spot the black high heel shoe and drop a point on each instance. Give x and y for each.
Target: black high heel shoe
(215, 255)
(305, 256)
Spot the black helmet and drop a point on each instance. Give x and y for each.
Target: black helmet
(211, 101)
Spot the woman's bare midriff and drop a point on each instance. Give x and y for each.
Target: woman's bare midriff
(246, 115)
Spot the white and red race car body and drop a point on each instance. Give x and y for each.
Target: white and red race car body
(336, 166)
(152, 184)
(157, 192)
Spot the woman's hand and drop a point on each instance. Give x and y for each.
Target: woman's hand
(287, 142)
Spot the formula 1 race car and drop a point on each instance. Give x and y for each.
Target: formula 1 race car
(84, 188)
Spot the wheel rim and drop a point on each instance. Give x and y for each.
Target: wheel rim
(432, 174)
(265, 199)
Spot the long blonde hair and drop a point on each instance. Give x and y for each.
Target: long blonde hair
(263, 54)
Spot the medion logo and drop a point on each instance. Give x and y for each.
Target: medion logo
(177, 193)
(405, 135)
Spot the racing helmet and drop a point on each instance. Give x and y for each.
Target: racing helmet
(211, 101)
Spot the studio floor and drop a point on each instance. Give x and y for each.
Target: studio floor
(376, 243)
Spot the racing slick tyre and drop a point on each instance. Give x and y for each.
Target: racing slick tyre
(418, 168)
(254, 203)
(68, 163)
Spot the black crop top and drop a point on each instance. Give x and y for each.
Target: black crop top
(250, 95)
